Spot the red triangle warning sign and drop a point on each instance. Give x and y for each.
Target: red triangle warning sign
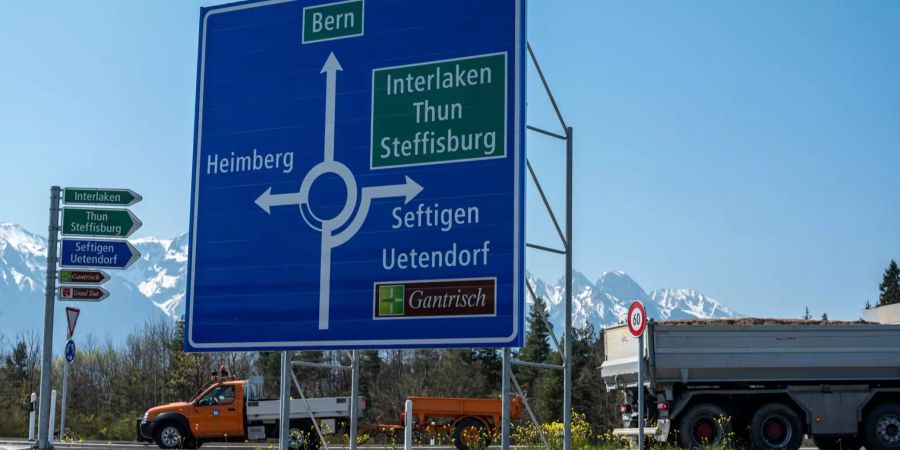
(72, 318)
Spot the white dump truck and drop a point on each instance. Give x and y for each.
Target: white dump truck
(763, 382)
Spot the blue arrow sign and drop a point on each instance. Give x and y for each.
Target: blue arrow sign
(97, 253)
(70, 351)
(358, 176)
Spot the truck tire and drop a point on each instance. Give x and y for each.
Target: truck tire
(883, 427)
(171, 435)
(470, 434)
(837, 442)
(704, 425)
(303, 437)
(776, 426)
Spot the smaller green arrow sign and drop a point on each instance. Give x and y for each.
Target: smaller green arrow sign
(99, 222)
(95, 196)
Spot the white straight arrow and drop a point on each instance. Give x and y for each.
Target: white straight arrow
(267, 200)
(330, 68)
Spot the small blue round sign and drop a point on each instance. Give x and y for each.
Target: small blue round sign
(70, 351)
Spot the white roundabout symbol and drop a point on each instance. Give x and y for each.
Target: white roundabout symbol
(345, 221)
(324, 168)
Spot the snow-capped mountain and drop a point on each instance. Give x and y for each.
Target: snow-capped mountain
(160, 274)
(605, 302)
(155, 286)
(23, 264)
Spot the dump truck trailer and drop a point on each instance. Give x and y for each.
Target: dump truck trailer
(472, 422)
(762, 381)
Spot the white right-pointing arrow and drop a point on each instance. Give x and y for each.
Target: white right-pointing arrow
(330, 68)
(408, 190)
(267, 200)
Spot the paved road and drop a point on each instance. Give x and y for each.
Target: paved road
(21, 444)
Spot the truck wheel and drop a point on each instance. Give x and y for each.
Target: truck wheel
(837, 442)
(470, 434)
(703, 425)
(171, 435)
(303, 437)
(883, 427)
(775, 426)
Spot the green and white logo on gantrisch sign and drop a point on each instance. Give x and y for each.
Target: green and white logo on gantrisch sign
(440, 111)
(390, 300)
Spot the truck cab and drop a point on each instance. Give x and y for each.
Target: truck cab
(217, 413)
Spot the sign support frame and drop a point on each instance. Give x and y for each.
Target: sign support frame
(566, 239)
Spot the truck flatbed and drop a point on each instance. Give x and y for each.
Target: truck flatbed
(269, 410)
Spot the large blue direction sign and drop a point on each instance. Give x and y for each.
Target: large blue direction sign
(358, 175)
(97, 253)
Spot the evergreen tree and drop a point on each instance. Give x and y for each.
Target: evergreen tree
(178, 379)
(548, 403)
(186, 373)
(824, 317)
(269, 365)
(589, 395)
(868, 304)
(807, 315)
(536, 348)
(890, 285)
(369, 366)
(491, 362)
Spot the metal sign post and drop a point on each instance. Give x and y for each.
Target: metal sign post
(504, 387)
(70, 358)
(72, 314)
(408, 425)
(637, 323)
(284, 423)
(354, 397)
(44, 431)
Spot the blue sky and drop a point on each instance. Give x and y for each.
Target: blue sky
(747, 150)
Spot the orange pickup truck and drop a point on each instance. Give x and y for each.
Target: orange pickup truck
(229, 410)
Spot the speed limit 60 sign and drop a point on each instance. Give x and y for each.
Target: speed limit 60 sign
(637, 318)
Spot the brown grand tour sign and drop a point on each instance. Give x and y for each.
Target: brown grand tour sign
(445, 298)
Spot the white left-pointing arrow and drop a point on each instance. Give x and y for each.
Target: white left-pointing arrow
(267, 200)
